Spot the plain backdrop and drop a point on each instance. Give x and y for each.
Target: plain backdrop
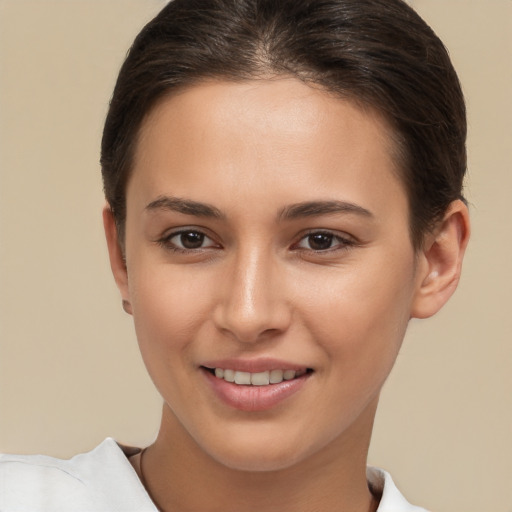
(70, 372)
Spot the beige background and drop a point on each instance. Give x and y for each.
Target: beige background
(70, 374)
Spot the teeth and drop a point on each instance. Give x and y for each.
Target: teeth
(242, 378)
(260, 379)
(229, 375)
(257, 379)
(276, 376)
(289, 374)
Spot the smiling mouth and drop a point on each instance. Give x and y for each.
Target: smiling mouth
(264, 378)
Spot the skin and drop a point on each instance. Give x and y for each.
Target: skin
(259, 287)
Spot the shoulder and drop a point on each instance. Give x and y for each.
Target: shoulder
(99, 480)
(392, 500)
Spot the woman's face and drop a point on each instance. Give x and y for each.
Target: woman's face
(266, 234)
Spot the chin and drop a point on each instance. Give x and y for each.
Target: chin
(261, 462)
(258, 455)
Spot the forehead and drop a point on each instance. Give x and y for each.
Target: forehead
(280, 106)
(262, 136)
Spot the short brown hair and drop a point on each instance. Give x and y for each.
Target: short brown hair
(379, 53)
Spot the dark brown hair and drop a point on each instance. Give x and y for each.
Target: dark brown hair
(379, 53)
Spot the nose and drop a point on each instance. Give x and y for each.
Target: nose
(253, 304)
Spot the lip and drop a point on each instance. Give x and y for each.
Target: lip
(254, 398)
(253, 365)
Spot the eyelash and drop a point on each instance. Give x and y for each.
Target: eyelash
(342, 243)
(166, 241)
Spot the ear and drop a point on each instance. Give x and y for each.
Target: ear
(117, 261)
(440, 261)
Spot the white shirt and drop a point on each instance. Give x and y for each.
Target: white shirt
(103, 480)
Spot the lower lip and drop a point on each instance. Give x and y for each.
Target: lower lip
(254, 398)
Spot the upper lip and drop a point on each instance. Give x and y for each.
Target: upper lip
(254, 365)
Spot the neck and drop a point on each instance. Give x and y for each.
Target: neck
(179, 476)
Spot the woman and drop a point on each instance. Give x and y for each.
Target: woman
(284, 188)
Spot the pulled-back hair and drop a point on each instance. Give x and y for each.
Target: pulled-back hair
(378, 53)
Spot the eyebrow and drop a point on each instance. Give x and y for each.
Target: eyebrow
(316, 208)
(294, 211)
(185, 206)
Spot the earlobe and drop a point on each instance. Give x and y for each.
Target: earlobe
(440, 261)
(117, 261)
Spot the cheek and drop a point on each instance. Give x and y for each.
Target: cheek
(169, 306)
(360, 315)
(168, 312)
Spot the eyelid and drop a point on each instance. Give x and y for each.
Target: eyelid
(165, 239)
(345, 241)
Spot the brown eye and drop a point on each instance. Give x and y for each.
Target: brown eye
(191, 240)
(320, 241)
(324, 241)
(188, 240)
